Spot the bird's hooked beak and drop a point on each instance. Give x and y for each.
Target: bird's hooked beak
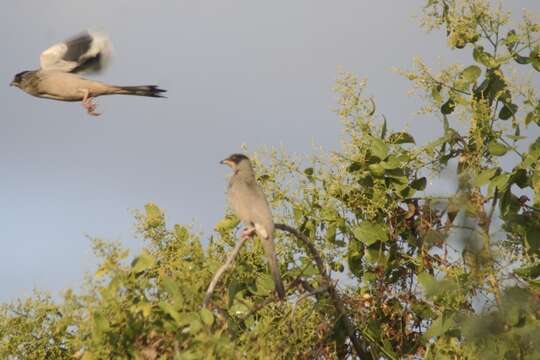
(12, 83)
(226, 162)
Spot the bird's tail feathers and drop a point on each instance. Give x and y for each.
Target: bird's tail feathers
(142, 90)
(268, 245)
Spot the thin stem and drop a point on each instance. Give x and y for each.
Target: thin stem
(222, 269)
(450, 87)
(486, 35)
(496, 39)
(512, 148)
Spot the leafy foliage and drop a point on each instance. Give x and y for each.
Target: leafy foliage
(421, 274)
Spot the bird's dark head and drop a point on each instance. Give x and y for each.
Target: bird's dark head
(17, 80)
(234, 160)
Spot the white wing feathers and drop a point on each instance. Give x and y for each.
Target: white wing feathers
(88, 51)
(261, 231)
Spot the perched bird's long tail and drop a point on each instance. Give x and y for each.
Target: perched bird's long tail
(268, 245)
(143, 90)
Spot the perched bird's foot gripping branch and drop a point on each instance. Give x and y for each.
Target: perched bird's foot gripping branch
(248, 232)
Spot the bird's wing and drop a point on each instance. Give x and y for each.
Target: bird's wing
(249, 203)
(88, 51)
(261, 214)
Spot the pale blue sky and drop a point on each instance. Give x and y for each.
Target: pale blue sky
(238, 71)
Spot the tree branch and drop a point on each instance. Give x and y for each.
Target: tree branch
(332, 291)
(222, 269)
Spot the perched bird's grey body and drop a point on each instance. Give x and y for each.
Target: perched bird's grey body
(248, 202)
(58, 77)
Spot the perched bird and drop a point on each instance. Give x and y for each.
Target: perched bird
(58, 77)
(248, 202)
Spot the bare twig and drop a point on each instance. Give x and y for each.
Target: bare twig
(332, 291)
(222, 269)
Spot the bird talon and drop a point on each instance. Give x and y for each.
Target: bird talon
(90, 105)
(247, 233)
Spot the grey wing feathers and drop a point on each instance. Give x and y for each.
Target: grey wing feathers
(87, 51)
(262, 215)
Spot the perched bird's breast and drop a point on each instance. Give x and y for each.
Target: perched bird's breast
(239, 199)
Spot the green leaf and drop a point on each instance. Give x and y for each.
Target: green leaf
(370, 233)
(535, 59)
(226, 224)
(507, 111)
(181, 233)
(331, 231)
(509, 203)
(88, 355)
(207, 317)
(427, 281)
(375, 257)
(471, 74)
(497, 149)
(511, 39)
(419, 184)
(376, 169)
(484, 58)
(142, 262)
(535, 285)
(100, 324)
(354, 257)
(476, 53)
(438, 327)
(239, 309)
(401, 138)
(448, 107)
(154, 215)
(170, 310)
(522, 60)
(520, 178)
(529, 271)
(172, 287)
(483, 177)
(494, 86)
(142, 307)
(379, 148)
(195, 325)
(436, 93)
(533, 116)
(264, 284)
(500, 182)
(392, 162)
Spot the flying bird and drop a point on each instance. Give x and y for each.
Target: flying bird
(248, 202)
(58, 76)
